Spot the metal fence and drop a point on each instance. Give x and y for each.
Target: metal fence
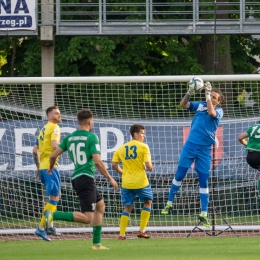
(149, 17)
(105, 17)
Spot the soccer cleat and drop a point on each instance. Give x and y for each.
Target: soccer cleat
(142, 235)
(122, 238)
(166, 209)
(42, 234)
(53, 231)
(99, 247)
(204, 219)
(48, 219)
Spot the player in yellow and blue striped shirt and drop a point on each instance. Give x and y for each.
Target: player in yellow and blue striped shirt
(47, 141)
(136, 158)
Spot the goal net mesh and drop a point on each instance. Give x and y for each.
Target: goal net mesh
(234, 208)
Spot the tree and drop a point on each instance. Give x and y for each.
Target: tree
(139, 55)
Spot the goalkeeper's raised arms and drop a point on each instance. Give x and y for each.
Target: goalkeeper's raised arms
(208, 88)
(191, 91)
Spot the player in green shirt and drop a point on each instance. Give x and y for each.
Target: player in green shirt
(253, 148)
(84, 150)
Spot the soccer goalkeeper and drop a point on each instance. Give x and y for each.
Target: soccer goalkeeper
(198, 146)
(136, 158)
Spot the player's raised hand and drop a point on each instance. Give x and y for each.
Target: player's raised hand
(208, 88)
(191, 90)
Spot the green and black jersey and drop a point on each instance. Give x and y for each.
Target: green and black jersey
(80, 145)
(254, 138)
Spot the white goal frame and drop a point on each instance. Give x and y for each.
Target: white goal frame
(48, 86)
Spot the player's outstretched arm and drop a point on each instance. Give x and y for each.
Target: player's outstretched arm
(102, 169)
(185, 101)
(242, 138)
(36, 158)
(208, 88)
(117, 168)
(149, 166)
(58, 151)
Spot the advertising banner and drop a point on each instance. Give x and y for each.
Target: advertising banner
(165, 140)
(17, 15)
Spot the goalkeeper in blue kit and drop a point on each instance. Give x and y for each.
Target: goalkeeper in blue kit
(198, 145)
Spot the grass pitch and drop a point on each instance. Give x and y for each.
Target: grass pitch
(208, 248)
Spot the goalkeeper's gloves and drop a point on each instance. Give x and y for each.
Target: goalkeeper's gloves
(191, 91)
(208, 88)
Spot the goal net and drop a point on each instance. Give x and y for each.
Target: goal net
(117, 103)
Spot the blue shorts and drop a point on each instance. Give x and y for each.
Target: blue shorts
(144, 194)
(51, 181)
(200, 154)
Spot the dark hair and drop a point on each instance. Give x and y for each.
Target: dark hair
(221, 96)
(136, 129)
(84, 115)
(49, 109)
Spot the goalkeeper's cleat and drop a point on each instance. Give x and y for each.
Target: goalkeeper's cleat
(122, 238)
(100, 247)
(53, 231)
(42, 234)
(141, 234)
(204, 219)
(166, 209)
(48, 215)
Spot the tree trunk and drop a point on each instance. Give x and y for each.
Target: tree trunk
(214, 55)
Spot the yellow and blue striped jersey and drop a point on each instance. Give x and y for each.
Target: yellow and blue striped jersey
(48, 133)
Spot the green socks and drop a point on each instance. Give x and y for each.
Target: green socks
(97, 230)
(67, 216)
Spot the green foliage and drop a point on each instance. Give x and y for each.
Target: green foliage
(124, 55)
(243, 49)
(130, 55)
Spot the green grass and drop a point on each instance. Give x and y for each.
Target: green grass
(208, 248)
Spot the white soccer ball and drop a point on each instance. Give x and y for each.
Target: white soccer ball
(196, 83)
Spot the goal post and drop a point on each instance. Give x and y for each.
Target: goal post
(117, 103)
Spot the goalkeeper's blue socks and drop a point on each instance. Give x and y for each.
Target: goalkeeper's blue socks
(176, 183)
(173, 190)
(204, 198)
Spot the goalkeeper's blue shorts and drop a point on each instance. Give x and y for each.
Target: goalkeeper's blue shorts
(144, 194)
(51, 181)
(200, 154)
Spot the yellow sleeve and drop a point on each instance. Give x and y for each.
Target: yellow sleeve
(55, 135)
(147, 154)
(116, 158)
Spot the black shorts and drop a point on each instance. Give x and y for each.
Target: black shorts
(87, 192)
(253, 159)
